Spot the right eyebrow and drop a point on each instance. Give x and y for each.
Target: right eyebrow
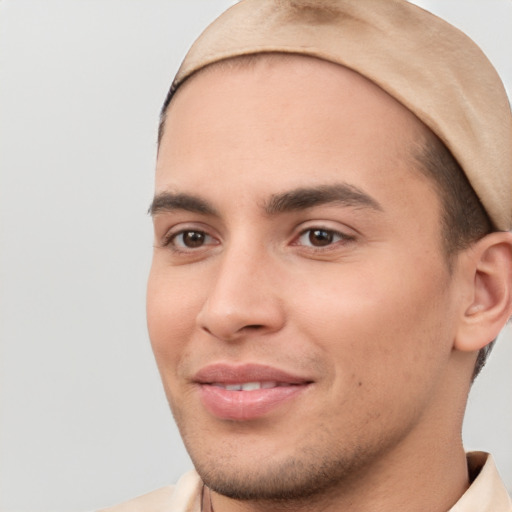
(169, 201)
(302, 198)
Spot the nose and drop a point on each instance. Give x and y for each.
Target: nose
(244, 298)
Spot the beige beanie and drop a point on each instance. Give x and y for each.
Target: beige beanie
(428, 65)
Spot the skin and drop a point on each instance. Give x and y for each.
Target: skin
(371, 317)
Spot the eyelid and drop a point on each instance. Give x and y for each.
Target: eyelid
(346, 235)
(171, 239)
(183, 227)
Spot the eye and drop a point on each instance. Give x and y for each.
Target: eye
(190, 239)
(320, 237)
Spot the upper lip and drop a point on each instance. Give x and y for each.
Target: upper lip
(241, 373)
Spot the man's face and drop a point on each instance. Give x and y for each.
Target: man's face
(297, 254)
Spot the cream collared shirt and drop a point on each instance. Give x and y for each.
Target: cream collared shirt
(487, 493)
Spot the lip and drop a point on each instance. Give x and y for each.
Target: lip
(243, 405)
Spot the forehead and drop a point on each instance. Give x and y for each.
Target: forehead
(282, 117)
(296, 84)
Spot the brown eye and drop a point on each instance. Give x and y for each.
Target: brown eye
(191, 239)
(320, 237)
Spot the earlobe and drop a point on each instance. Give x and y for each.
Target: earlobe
(489, 304)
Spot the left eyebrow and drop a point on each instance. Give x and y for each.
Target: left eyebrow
(343, 194)
(168, 202)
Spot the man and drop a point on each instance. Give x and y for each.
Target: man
(332, 259)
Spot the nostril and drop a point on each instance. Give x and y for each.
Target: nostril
(217, 333)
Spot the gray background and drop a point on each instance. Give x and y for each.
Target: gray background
(84, 420)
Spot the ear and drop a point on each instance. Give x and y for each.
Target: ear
(488, 270)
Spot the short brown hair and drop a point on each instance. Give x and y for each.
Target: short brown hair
(464, 219)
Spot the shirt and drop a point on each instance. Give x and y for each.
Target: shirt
(487, 493)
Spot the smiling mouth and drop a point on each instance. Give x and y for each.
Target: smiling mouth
(250, 386)
(248, 391)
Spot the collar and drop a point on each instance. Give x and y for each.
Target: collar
(487, 492)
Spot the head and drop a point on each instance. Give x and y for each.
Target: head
(304, 247)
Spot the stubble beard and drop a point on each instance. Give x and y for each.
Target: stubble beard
(287, 481)
(312, 473)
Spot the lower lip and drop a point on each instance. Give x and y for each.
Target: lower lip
(246, 405)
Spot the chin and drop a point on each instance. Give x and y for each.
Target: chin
(287, 481)
(302, 476)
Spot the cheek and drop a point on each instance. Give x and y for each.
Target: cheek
(171, 312)
(380, 325)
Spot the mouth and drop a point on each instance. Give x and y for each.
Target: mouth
(250, 386)
(247, 392)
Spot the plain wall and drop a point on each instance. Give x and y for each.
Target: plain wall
(84, 421)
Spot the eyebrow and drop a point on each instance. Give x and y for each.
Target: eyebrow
(343, 194)
(292, 200)
(169, 201)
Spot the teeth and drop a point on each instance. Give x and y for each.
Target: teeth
(248, 386)
(233, 387)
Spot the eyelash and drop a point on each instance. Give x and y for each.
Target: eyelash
(343, 238)
(331, 242)
(170, 238)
